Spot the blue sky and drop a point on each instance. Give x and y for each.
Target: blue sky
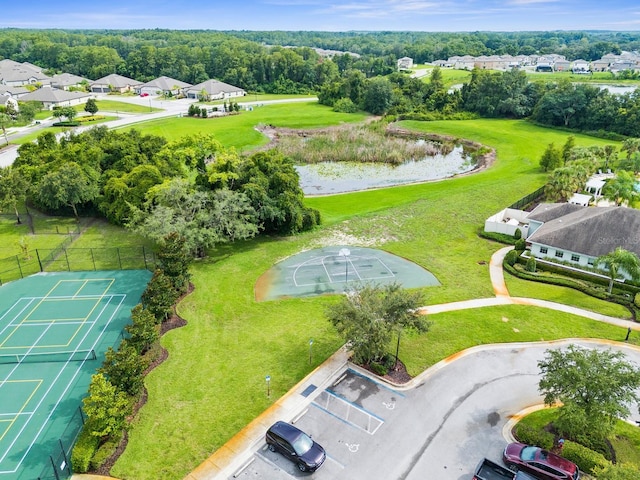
(327, 15)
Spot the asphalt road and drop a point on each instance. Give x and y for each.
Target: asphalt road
(439, 429)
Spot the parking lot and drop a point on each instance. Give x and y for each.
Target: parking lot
(347, 419)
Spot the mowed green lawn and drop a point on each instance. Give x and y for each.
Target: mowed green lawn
(213, 383)
(239, 130)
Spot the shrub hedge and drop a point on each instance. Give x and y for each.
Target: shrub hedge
(83, 451)
(586, 460)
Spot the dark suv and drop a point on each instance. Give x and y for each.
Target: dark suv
(295, 445)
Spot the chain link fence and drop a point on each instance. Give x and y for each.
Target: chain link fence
(62, 259)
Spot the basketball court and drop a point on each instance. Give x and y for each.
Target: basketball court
(54, 330)
(331, 270)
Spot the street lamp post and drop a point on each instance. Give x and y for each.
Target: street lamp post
(268, 379)
(310, 345)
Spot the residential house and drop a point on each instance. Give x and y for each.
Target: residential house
(601, 65)
(578, 235)
(53, 97)
(622, 65)
(214, 90)
(491, 62)
(465, 62)
(8, 102)
(405, 63)
(562, 65)
(114, 83)
(580, 66)
(164, 86)
(67, 81)
(15, 92)
(15, 74)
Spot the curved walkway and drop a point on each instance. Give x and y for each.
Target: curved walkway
(231, 458)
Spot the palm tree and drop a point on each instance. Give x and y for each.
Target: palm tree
(618, 262)
(621, 189)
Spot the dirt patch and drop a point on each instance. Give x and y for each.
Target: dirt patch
(397, 375)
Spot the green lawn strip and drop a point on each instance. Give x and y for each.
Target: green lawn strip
(239, 130)
(564, 295)
(625, 439)
(454, 331)
(123, 107)
(213, 383)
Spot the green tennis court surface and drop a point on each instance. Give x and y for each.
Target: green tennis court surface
(335, 269)
(54, 330)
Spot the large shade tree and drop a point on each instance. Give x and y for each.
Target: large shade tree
(368, 317)
(594, 387)
(619, 262)
(69, 185)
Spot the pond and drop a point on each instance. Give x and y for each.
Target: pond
(326, 178)
(616, 89)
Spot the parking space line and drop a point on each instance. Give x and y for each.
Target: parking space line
(348, 412)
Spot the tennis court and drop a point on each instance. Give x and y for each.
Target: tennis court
(54, 330)
(335, 269)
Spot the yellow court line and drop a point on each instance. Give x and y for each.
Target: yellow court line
(78, 291)
(82, 320)
(24, 405)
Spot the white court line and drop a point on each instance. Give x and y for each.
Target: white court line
(55, 380)
(34, 323)
(16, 414)
(321, 261)
(19, 313)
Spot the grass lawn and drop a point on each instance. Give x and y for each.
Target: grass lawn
(238, 130)
(213, 383)
(123, 107)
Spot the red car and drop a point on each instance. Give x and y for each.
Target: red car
(539, 463)
(144, 94)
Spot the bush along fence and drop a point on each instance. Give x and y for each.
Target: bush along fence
(62, 259)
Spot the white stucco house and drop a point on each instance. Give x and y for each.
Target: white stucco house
(164, 86)
(214, 90)
(114, 83)
(405, 63)
(66, 81)
(16, 74)
(53, 97)
(578, 235)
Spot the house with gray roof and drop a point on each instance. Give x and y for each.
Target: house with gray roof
(53, 97)
(66, 81)
(15, 92)
(114, 83)
(578, 235)
(214, 90)
(16, 74)
(164, 86)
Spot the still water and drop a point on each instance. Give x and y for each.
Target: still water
(339, 177)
